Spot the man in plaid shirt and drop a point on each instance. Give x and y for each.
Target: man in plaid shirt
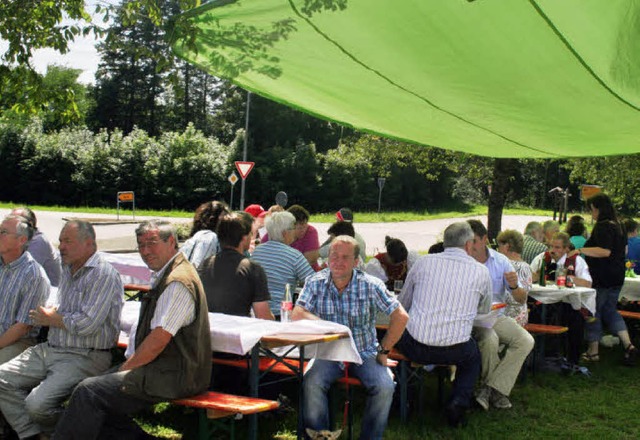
(350, 297)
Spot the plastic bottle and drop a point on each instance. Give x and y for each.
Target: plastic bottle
(570, 273)
(286, 306)
(542, 274)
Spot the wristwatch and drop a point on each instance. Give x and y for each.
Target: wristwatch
(382, 350)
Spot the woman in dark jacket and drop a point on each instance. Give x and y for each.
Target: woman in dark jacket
(604, 252)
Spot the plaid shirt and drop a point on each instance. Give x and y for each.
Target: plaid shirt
(357, 306)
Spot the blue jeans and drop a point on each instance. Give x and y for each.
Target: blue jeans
(377, 381)
(465, 356)
(607, 312)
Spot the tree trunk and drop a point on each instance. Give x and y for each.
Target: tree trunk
(503, 170)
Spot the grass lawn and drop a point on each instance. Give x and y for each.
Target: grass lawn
(361, 217)
(548, 405)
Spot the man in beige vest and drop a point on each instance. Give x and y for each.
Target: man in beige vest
(169, 354)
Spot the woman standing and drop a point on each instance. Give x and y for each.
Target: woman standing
(604, 252)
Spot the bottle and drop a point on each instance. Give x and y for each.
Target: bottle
(542, 274)
(570, 273)
(286, 306)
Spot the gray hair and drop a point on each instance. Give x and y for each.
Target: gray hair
(348, 240)
(165, 229)
(85, 229)
(532, 227)
(457, 235)
(277, 223)
(23, 228)
(550, 225)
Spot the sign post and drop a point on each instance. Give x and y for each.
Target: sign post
(126, 197)
(244, 168)
(381, 181)
(233, 179)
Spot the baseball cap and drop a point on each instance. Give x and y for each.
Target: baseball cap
(344, 215)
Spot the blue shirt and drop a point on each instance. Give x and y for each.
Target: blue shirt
(90, 304)
(633, 252)
(23, 286)
(356, 307)
(498, 264)
(201, 246)
(283, 265)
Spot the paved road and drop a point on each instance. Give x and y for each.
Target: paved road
(418, 235)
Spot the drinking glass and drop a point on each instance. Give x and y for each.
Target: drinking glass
(397, 286)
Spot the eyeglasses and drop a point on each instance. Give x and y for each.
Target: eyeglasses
(148, 244)
(5, 232)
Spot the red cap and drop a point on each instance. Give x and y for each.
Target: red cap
(255, 210)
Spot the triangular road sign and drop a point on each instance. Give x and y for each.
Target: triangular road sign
(244, 168)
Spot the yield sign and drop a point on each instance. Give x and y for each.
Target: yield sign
(244, 168)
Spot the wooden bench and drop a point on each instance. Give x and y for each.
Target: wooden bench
(212, 406)
(133, 292)
(538, 331)
(629, 315)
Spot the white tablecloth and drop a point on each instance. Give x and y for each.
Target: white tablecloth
(131, 268)
(238, 335)
(576, 296)
(631, 289)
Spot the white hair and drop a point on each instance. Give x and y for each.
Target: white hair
(277, 223)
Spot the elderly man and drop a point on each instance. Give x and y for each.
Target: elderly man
(549, 228)
(83, 328)
(578, 272)
(350, 297)
(443, 293)
(169, 354)
(232, 283)
(23, 287)
(499, 374)
(282, 263)
(532, 241)
(41, 248)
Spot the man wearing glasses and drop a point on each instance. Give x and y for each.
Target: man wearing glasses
(169, 352)
(23, 286)
(83, 327)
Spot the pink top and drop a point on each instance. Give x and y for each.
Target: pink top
(309, 242)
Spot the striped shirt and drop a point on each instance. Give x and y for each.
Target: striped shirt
(531, 247)
(356, 307)
(443, 293)
(282, 264)
(498, 264)
(23, 286)
(201, 246)
(90, 304)
(175, 309)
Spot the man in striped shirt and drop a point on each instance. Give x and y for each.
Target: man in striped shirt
(169, 352)
(443, 293)
(23, 286)
(84, 326)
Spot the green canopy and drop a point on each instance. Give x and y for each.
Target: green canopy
(501, 78)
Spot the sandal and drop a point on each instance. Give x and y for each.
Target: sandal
(588, 357)
(630, 355)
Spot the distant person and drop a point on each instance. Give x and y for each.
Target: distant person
(24, 286)
(499, 374)
(549, 228)
(41, 248)
(282, 263)
(577, 231)
(633, 243)
(83, 328)
(604, 252)
(203, 240)
(345, 215)
(233, 284)
(392, 265)
(441, 313)
(436, 248)
(169, 352)
(335, 230)
(510, 244)
(352, 298)
(532, 243)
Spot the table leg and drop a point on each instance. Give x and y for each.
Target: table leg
(254, 372)
(301, 394)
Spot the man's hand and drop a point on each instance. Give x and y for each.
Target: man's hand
(382, 359)
(46, 317)
(512, 279)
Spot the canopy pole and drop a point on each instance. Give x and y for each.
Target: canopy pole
(244, 149)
